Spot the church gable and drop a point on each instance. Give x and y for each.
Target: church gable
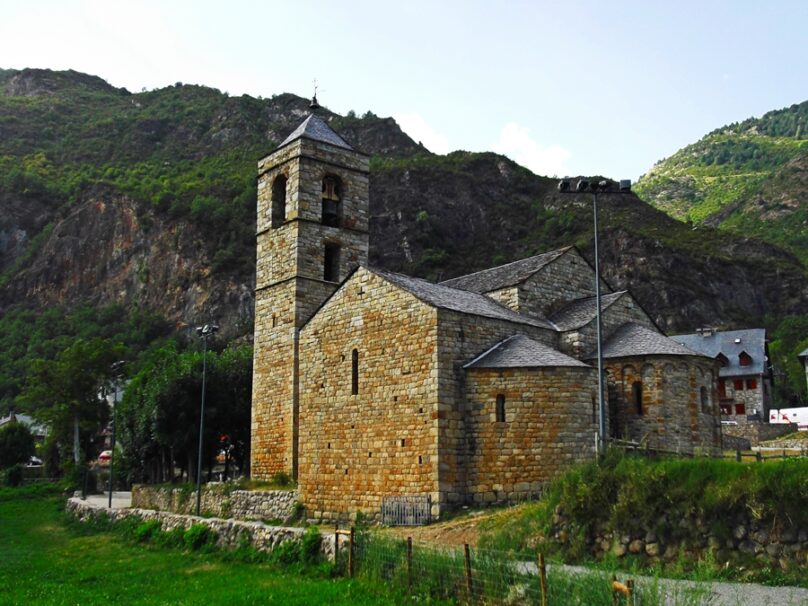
(368, 397)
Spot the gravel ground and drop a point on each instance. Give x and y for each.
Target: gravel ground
(692, 593)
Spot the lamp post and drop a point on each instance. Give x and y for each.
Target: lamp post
(117, 371)
(205, 332)
(603, 186)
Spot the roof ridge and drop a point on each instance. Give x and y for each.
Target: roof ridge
(316, 129)
(512, 315)
(558, 252)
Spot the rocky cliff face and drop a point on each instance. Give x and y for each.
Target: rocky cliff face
(110, 248)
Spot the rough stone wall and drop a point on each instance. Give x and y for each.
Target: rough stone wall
(550, 422)
(216, 501)
(356, 449)
(779, 544)
(584, 340)
(730, 442)
(752, 399)
(290, 283)
(673, 414)
(230, 533)
(757, 432)
(461, 338)
(565, 279)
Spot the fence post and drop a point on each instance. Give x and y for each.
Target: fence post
(758, 457)
(630, 594)
(351, 554)
(543, 580)
(409, 564)
(336, 543)
(614, 593)
(738, 455)
(469, 583)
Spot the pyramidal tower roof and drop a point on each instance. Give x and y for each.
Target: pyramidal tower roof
(316, 129)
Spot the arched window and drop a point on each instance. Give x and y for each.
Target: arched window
(500, 408)
(354, 372)
(278, 201)
(705, 400)
(636, 391)
(331, 198)
(744, 359)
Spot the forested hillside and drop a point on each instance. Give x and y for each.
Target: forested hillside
(749, 178)
(144, 203)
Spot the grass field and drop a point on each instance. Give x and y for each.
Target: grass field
(45, 560)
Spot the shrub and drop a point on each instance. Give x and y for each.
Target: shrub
(14, 475)
(16, 444)
(281, 479)
(199, 537)
(286, 553)
(172, 538)
(310, 545)
(147, 530)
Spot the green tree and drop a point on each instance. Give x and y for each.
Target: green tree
(64, 393)
(158, 418)
(16, 445)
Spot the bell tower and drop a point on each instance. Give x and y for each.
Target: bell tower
(312, 231)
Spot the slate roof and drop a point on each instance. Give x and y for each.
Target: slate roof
(803, 353)
(634, 340)
(581, 312)
(316, 129)
(444, 297)
(519, 351)
(752, 341)
(503, 276)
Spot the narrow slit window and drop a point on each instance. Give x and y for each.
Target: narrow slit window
(636, 389)
(705, 400)
(500, 408)
(355, 372)
(331, 263)
(278, 201)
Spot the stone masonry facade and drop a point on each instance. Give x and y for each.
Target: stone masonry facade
(675, 407)
(549, 425)
(290, 282)
(370, 385)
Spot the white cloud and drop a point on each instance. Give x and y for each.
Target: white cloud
(516, 143)
(417, 128)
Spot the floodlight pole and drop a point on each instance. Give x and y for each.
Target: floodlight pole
(117, 368)
(564, 187)
(204, 331)
(601, 400)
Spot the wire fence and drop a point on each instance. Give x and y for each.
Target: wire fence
(467, 575)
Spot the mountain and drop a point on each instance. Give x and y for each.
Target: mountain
(148, 200)
(749, 178)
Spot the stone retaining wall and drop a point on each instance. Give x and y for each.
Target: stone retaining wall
(230, 533)
(782, 546)
(757, 432)
(219, 501)
(729, 442)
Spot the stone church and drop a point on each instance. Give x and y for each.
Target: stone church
(370, 384)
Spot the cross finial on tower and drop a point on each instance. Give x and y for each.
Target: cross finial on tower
(314, 106)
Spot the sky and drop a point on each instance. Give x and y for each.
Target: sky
(564, 87)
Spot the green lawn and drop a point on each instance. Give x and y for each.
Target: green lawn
(44, 560)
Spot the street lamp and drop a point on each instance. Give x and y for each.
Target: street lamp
(582, 186)
(117, 372)
(205, 332)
